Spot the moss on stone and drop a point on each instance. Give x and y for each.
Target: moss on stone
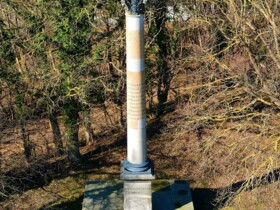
(158, 185)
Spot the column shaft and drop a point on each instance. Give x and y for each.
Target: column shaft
(136, 105)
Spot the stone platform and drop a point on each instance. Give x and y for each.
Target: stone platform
(137, 195)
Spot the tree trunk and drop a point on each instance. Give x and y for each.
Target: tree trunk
(89, 133)
(21, 113)
(56, 133)
(163, 71)
(71, 111)
(27, 145)
(121, 120)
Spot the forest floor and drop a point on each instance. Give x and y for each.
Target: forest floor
(227, 169)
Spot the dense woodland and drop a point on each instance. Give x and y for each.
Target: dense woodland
(213, 99)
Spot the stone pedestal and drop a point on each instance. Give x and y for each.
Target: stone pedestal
(138, 195)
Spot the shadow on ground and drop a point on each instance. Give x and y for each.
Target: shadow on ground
(203, 199)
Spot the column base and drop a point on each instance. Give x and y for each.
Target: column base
(131, 171)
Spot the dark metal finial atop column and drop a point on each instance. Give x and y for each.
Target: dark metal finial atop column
(135, 7)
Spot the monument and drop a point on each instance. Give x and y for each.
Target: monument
(136, 169)
(137, 189)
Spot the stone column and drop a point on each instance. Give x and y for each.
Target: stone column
(136, 107)
(137, 160)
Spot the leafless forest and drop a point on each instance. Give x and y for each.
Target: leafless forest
(213, 99)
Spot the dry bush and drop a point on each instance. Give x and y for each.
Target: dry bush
(233, 102)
